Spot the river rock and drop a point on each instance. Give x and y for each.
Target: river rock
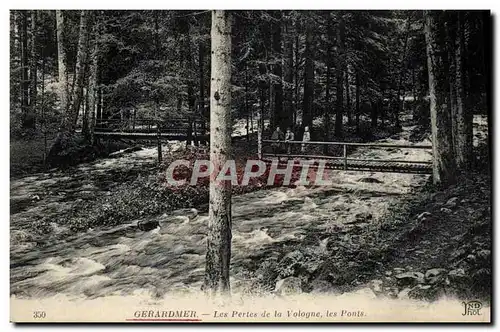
(484, 254)
(424, 292)
(471, 258)
(321, 286)
(376, 285)
(147, 225)
(445, 210)
(18, 236)
(410, 278)
(456, 275)
(424, 215)
(290, 263)
(366, 293)
(361, 217)
(452, 202)
(434, 275)
(370, 180)
(133, 149)
(290, 285)
(404, 294)
(398, 269)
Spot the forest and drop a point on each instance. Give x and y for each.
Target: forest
(224, 81)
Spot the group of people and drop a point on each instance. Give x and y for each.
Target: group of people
(289, 136)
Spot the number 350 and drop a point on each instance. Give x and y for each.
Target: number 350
(39, 314)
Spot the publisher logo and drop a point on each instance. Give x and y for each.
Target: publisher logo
(472, 308)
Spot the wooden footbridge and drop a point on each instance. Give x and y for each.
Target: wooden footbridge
(176, 129)
(196, 130)
(284, 151)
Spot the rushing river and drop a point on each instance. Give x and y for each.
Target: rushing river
(122, 260)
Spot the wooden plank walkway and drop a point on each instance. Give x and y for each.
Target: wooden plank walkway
(395, 166)
(177, 136)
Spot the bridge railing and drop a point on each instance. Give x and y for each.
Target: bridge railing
(280, 146)
(176, 125)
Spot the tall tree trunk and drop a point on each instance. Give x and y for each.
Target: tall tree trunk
(451, 27)
(14, 57)
(42, 109)
(400, 92)
(463, 141)
(85, 113)
(260, 117)
(219, 225)
(297, 83)
(442, 141)
(487, 52)
(357, 101)
(25, 81)
(374, 112)
(189, 63)
(62, 61)
(72, 108)
(31, 116)
(280, 117)
(81, 58)
(201, 104)
(327, 109)
(348, 96)
(92, 88)
(308, 76)
(98, 107)
(288, 75)
(329, 61)
(247, 109)
(340, 82)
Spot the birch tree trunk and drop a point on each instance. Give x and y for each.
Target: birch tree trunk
(219, 225)
(442, 141)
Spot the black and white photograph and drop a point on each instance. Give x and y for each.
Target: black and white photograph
(250, 166)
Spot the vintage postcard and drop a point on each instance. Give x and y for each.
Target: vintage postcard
(250, 166)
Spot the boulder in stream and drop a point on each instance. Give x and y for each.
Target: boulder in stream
(370, 180)
(290, 285)
(410, 278)
(148, 224)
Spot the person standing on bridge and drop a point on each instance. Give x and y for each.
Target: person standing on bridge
(277, 136)
(289, 136)
(305, 138)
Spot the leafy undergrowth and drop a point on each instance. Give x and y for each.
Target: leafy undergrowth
(435, 242)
